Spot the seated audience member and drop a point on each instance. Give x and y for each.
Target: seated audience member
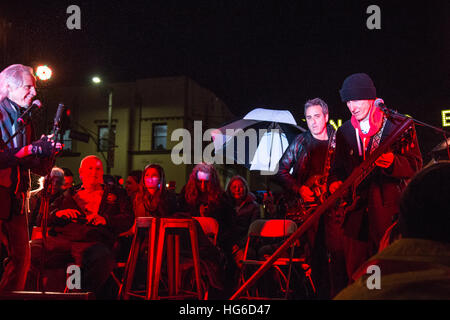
(417, 265)
(202, 196)
(68, 179)
(110, 179)
(55, 189)
(84, 224)
(247, 211)
(152, 198)
(132, 188)
(132, 183)
(155, 200)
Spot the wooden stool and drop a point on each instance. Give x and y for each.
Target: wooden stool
(173, 255)
(143, 224)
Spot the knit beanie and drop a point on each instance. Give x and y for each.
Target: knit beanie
(358, 86)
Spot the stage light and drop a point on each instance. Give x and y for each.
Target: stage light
(44, 73)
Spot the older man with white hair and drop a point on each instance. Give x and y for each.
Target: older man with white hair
(18, 155)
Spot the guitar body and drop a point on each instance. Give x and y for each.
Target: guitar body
(299, 210)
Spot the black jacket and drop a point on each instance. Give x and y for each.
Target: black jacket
(246, 213)
(115, 207)
(380, 192)
(295, 157)
(14, 172)
(222, 211)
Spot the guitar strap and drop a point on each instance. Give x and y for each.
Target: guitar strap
(330, 151)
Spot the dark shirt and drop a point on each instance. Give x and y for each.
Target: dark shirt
(318, 152)
(115, 207)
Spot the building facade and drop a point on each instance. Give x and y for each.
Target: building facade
(144, 115)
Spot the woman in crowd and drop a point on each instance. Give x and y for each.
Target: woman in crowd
(247, 211)
(152, 198)
(203, 196)
(155, 200)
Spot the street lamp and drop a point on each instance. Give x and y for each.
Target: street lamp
(97, 81)
(44, 73)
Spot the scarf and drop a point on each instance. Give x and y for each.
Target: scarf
(376, 118)
(9, 112)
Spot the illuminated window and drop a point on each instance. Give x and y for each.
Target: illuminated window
(159, 136)
(67, 141)
(103, 137)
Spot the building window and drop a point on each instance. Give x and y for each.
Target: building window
(103, 137)
(159, 136)
(66, 140)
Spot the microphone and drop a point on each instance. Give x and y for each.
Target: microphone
(58, 116)
(379, 103)
(24, 117)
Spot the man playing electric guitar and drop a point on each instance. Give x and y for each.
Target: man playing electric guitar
(368, 218)
(303, 170)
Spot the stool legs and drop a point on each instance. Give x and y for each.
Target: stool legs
(130, 268)
(171, 264)
(156, 239)
(151, 260)
(196, 258)
(158, 262)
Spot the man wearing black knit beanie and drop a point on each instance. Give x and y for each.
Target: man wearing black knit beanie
(377, 205)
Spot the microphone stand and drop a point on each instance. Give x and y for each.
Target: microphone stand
(44, 207)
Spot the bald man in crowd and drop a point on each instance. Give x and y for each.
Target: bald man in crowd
(85, 223)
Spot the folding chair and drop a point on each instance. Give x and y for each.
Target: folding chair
(267, 231)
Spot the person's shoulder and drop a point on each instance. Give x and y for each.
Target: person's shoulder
(300, 140)
(347, 124)
(303, 136)
(345, 128)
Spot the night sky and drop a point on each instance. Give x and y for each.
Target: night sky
(250, 54)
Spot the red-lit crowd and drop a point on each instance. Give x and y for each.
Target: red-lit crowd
(93, 224)
(397, 213)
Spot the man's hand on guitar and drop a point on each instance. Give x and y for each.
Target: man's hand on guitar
(334, 186)
(306, 194)
(385, 160)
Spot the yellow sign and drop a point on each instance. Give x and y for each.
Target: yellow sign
(445, 118)
(336, 126)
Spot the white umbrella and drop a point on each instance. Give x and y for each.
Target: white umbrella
(273, 130)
